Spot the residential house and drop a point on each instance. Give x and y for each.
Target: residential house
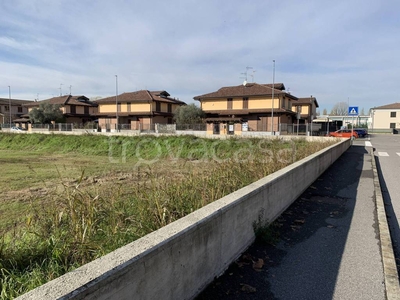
(76, 109)
(385, 118)
(17, 109)
(306, 109)
(138, 110)
(248, 107)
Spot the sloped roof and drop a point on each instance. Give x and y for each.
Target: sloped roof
(389, 106)
(250, 89)
(141, 96)
(65, 100)
(6, 101)
(307, 101)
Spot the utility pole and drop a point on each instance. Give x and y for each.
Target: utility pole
(116, 102)
(9, 98)
(273, 88)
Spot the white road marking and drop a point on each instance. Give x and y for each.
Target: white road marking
(368, 144)
(398, 153)
(383, 154)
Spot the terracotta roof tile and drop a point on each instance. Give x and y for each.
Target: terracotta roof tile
(141, 96)
(250, 89)
(66, 99)
(6, 101)
(389, 106)
(306, 100)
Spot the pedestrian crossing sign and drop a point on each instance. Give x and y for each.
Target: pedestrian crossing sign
(353, 110)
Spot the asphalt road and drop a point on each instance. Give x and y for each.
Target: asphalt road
(328, 246)
(387, 152)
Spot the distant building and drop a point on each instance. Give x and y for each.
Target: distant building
(307, 108)
(385, 118)
(17, 109)
(76, 109)
(248, 107)
(138, 110)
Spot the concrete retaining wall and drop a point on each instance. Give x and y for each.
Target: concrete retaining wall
(180, 259)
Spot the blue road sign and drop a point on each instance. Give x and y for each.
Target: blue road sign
(353, 110)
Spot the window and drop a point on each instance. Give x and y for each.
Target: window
(19, 109)
(245, 103)
(283, 103)
(229, 106)
(73, 109)
(86, 110)
(392, 115)
(169, 109)
(392, 125)
(128, 106)
(158, 106)
(7, 108)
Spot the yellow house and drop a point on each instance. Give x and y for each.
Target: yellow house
(248, 107)
(307, 109)
(76, 109)
(18, 109)
(137, 110)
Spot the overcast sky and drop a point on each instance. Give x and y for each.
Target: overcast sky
(336, 51)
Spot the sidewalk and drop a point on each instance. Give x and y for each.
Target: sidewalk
(328, 248)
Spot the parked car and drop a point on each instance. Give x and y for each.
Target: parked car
(344, 133)
(362, 132)
(17, 129)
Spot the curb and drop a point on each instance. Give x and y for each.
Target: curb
(392, 285)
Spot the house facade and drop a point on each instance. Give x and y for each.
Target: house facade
(75, 109)
(385, 118)
(306, 109)
(248, 107)
(138, 110)
(18, 109)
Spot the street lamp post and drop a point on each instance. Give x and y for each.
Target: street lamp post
(116, 102)
(9, 98)
(312, 115)
(273, 88)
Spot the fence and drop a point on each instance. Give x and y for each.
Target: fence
(194, 127)
(313, 129)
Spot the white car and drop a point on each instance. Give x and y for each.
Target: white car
(17, 129)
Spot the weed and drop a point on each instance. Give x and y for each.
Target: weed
(76, 221)
(265, 232)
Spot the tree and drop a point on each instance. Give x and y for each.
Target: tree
(46, 113)
(340, 109)
(189, 114)
(324, 112)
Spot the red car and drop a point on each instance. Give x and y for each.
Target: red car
(346, 133)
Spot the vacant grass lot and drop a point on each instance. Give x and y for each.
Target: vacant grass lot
(67, 200)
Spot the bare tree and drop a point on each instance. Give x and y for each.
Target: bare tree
(362, 112)
(324, 112)
(340, 109)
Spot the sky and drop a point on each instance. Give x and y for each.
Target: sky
(336, 51)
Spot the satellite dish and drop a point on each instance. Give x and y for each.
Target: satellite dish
(244, 83)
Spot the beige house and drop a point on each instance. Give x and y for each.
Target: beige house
(18, 109)
(385, 118)
(306, 108)
(138, 110)
(76, 109)
(248, 107)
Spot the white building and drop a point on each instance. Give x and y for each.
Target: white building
(385, 118)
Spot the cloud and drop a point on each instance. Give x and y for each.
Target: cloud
(331, 50)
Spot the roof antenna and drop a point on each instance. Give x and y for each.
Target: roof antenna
(252, 76)
(61, 89)
(245, 75)
(70, 89)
